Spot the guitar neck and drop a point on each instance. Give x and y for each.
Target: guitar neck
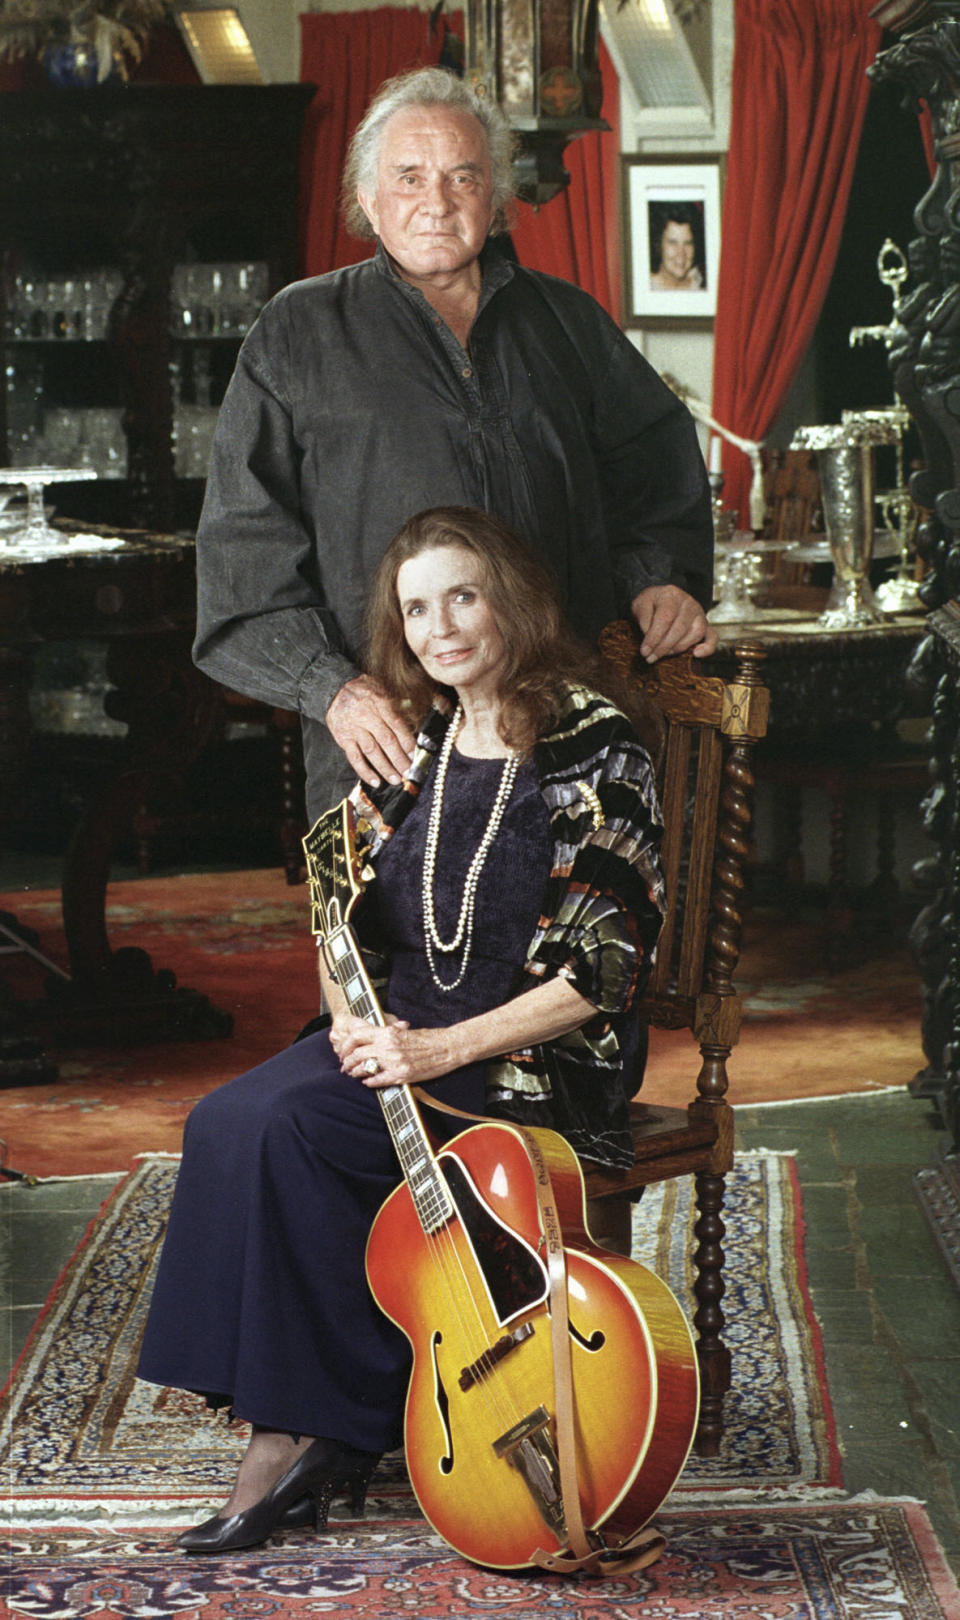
(410, 1140)
(346, 965)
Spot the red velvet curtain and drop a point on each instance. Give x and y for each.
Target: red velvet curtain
(798, 100)
(577, 234)
(348, 55)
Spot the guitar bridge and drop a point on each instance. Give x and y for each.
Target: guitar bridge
(477, 1369)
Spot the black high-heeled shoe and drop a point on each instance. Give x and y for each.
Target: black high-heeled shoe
(326, 1468)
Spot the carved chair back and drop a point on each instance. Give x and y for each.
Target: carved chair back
(712, 725)
(791, 488)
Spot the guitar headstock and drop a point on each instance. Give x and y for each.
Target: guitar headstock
(333, 869)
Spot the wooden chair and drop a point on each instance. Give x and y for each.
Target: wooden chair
(791, 487)
(706, 781)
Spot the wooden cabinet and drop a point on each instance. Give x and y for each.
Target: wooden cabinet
(118, 206)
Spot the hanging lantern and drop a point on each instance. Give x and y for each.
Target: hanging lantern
(538, 60)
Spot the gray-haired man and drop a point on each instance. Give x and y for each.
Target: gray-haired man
(437, 373)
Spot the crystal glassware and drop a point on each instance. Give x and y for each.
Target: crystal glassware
(36, 534)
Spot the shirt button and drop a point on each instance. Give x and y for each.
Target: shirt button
(467, 371)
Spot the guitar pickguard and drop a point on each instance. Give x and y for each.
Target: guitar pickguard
(515, 1277)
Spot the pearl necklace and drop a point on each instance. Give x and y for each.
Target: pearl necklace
(464, 934)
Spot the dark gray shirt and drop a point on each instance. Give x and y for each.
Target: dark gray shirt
(353, 406)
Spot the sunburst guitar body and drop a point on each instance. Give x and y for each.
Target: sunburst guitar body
(459, 1258)
(473, 1299)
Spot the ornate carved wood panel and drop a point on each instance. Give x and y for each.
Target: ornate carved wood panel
(925, 362)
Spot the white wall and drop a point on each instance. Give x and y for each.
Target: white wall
(684, 354)
(274, 30)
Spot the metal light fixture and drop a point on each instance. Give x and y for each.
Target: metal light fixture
(539, 62)
(218, 43)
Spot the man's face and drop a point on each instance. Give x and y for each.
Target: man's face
(677, 249)
(433, 206)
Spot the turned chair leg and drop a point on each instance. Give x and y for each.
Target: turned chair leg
(709, 1288)
(839, 907)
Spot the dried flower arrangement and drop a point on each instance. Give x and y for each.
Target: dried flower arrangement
(115, 29)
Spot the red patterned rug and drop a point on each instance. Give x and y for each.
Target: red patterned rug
(102, 1471)
(82, 1440)
(242, 940)
(848, 1561)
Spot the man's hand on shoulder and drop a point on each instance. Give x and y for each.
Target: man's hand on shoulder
(372, 733)
(672, 621)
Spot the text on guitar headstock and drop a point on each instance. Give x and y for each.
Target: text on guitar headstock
(334, 875)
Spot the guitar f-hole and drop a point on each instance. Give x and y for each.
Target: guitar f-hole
(443, 1405)
(596, 1341)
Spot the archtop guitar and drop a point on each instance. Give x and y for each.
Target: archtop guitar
(554, 1392)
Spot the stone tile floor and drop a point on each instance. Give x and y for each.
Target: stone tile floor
(884, 1296)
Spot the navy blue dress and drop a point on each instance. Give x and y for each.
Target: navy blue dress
(261, 1300)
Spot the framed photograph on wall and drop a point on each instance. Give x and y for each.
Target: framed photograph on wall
(671, 236)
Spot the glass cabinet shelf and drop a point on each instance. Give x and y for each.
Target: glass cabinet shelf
(143, 232)
(216, 300)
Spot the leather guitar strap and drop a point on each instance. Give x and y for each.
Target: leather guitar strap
(585, 1554)
(646, 1545)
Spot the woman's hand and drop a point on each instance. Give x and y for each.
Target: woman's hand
(404, 1056)
(408, 1056)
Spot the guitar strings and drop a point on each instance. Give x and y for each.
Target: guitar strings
(493, 1385)
(449, 1265)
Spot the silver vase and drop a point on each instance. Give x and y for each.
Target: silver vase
(845, 463)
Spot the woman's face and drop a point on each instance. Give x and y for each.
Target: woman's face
(448, 622)
(677, 249)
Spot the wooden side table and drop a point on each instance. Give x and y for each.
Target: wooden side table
(835, 698)
(139, 599)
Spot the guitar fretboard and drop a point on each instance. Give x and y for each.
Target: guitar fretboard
(429, 1191)
(346, 964)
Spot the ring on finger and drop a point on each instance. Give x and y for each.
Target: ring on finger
(371, 1066)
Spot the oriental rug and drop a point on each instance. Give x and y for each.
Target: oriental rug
(84, 1442)
(838, 1561)
(241, 938)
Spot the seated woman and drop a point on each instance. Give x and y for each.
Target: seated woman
(517, 902)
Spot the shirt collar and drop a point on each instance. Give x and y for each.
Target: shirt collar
(496, 267)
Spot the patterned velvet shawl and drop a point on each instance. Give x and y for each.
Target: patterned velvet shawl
(601, 916)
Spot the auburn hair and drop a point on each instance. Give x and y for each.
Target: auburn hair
(544, 655)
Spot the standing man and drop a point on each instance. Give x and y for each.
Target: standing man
(437, 373)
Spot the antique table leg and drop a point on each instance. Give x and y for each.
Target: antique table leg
(139, 600)
(118, 995)
(22, 1059)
